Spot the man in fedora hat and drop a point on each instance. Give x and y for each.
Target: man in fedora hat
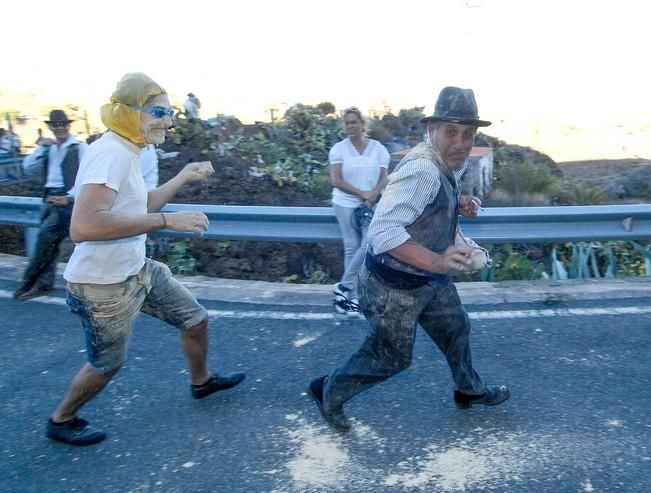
(58, 160)
(404, 280)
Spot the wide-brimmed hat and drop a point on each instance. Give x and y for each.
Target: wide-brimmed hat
(457, 106)
(58, 116)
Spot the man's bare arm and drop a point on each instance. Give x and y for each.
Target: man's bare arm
(192, 172)
(93, 219)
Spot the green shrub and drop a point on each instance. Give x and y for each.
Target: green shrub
(378, 131)
(180, 259)
(572, 193)
(520, 180)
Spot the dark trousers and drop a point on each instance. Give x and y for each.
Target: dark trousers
(393, 315)
(55, 225)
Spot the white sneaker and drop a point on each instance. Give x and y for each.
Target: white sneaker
(340, 292)
(354, 310)
(348, 307)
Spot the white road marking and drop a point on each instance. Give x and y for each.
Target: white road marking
(50, 300)
(561, 312)
(474, 315)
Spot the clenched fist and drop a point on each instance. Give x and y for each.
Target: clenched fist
(187, 222)
(199, 171)
(455, 258)
(469, 205)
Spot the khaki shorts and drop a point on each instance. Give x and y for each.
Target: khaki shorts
(108, 311)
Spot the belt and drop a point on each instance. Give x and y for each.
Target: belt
(394, 278)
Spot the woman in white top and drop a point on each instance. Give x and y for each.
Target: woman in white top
(358, 170)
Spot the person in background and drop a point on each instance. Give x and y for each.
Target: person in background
(40, 137)
(109, 279)
(149, 169)
(58, 161)
(404, 280)
(5, 145)
(14, 141)
(192, 106)
(358, 171)
(149, 166)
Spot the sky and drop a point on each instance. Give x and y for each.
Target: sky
(565, 77)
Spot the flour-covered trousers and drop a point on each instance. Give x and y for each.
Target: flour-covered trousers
(393, 315)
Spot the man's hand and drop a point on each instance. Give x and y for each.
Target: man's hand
(59, 200)
(469, 205)
(187, 222)
(199, 171)
(455, 258)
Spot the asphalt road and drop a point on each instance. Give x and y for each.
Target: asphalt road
(578, 419)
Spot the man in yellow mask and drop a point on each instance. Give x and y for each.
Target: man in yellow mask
(109, 279)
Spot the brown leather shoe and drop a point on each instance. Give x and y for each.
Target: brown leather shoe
(494, 395)
(336, 418)
(33, 292)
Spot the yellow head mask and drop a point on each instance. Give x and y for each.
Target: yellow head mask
(134, 89)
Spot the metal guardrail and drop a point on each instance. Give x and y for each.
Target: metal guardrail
(560, 224)
(319, 224)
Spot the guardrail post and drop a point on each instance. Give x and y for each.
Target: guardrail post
(646, 253)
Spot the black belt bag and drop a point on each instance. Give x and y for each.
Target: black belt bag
(394, 278)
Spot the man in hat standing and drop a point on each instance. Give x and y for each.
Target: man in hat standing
(404, 280)
(58, 160)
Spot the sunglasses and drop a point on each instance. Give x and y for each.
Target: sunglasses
(58, 124)
(156, 111)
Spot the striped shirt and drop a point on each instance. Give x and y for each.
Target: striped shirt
(409, 190)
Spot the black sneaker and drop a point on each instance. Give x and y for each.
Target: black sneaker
(77, 431)
(493, 396)
(216, 383)
(337, 419)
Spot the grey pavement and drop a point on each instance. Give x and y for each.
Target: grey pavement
(575, 354)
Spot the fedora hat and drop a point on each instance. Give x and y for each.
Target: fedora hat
(58, 116)
(457, 106)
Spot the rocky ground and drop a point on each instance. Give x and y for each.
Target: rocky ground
(620, 179)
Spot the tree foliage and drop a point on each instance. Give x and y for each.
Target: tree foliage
(295, 149)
